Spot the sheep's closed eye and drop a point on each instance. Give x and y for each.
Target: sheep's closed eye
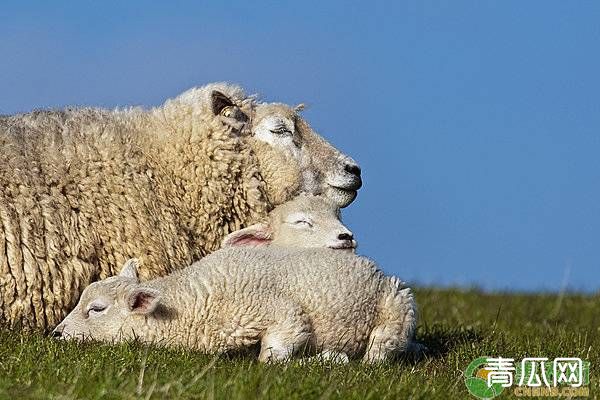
(282, 131)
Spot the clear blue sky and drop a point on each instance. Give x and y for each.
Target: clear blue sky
(476, 123)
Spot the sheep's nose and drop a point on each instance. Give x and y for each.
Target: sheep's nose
(56, 333)
(352, 169)
(345, 236)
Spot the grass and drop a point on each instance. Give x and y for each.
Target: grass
(457, 326)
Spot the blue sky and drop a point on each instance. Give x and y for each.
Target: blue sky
(476, 123)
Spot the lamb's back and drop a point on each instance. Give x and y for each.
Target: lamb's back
(289, 270)
(338, 290)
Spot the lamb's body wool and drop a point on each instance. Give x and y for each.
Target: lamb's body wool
(288, 299)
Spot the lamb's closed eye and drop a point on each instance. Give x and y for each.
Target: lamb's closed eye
(96, 307)
(303, 222)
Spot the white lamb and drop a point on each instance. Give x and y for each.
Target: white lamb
(291, 301)
(305, 221)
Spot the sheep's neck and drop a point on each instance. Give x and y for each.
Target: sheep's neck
(190, 175)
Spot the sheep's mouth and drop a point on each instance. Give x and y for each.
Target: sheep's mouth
(351, 184)
(340, 195)
(348, 245)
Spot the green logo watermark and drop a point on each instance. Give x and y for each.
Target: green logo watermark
(476, 380)
(488, 377)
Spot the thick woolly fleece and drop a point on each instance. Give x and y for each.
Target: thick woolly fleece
(300, 299)
(83, 190)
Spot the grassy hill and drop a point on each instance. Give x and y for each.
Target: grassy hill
(457, 326)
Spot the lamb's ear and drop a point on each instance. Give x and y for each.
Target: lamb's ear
(254, 235)
(142, 300)
(219, 102)
(129, 269)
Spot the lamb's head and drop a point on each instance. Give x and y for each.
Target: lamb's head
(306, 221)
(284, 143)
(106, 307)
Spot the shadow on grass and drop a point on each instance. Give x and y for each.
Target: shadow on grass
(441, 340)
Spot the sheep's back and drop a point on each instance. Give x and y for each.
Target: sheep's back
(76, 200)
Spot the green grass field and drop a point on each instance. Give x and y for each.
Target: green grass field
(457, 326)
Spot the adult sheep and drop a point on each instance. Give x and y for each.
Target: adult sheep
(82, 190)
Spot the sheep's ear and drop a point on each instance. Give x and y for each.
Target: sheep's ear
(254, 235)
(129, 269)
(142, 300)
(219, 102)
(299, 107)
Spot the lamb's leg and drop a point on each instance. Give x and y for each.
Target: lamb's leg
(288, 334)
(398, 319)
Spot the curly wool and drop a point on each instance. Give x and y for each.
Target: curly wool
(82, 190)
(282, 297)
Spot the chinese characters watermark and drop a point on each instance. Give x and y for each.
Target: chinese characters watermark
(487, 377)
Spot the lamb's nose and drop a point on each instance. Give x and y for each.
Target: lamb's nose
(352, 169)
(345, 236)
(56, 333)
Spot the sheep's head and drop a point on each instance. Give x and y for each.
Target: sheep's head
(288, 150)
(107, 306)
(306, 221)
(292, 157)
